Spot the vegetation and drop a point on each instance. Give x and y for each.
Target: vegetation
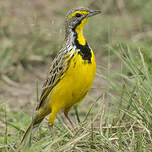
(119, 117)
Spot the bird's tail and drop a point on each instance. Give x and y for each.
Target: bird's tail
(25, 142)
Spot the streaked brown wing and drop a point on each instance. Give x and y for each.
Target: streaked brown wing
(59, 66)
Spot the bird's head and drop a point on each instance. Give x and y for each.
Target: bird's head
(78, 17)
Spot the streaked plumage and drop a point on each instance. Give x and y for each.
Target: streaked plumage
(71, 74)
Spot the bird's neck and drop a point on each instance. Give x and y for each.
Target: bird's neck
(75, 39)
(79, 34)
(76, 34)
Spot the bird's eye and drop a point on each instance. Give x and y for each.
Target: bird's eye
(78, 15)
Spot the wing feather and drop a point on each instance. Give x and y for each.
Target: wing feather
(58, 68)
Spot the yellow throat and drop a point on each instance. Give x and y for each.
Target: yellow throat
(79, 31)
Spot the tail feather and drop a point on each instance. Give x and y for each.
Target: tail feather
(25, 142)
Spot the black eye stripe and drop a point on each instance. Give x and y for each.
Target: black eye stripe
(78, 15)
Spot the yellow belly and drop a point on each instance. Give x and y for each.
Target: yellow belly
(75, 83)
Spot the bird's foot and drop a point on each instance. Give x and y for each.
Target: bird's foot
(50, 126)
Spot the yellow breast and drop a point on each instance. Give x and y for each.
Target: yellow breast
(75, 83)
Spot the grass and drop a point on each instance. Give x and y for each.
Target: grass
(119, 116)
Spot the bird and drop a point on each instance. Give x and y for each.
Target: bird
(71, 73)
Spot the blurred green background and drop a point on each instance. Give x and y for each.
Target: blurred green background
(32, 32)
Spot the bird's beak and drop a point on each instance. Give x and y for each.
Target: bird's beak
(93, 12)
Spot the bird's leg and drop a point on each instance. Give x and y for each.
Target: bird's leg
(51, 123)
(50, 126)
(68, 118)
(51, 119)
